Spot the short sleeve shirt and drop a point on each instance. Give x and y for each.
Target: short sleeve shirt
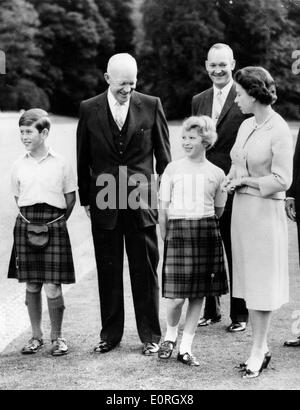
(42, 181)
(192, 189)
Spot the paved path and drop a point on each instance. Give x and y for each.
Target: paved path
(82, 315)
(13, 313)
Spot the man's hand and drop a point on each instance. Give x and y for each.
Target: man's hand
(290, 208)
(87, 210)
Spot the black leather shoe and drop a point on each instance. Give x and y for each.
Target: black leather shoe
(236, 327)
(149, 348)
(104, 347)
(166, 349)
(205, 322)
(265, 364)
(292, 343)
(188, 359)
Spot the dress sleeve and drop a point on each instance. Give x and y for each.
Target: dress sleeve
(280, 178)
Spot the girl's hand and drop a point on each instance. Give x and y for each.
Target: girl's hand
(226, 184)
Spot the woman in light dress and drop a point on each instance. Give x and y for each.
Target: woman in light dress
(261, 172)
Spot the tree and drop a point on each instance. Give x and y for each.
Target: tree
(177, 37)
(118, 14)
(261, 33)
(76, 41)
(19, 26)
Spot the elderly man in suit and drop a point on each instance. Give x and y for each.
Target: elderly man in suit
(218, 103)
(119, 134)
(292, 207)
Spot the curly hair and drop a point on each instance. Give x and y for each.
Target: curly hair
(258, 83)
(205, 128)
(35, 117)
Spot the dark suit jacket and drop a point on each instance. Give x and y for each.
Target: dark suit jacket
(294, 191)
(227, 126)
(98, 156)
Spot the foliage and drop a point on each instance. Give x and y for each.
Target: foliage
(76, 41)
(172, 59)
(19, 25)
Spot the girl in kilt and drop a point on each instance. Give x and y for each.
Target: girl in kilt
(191, 202)
(44, 188)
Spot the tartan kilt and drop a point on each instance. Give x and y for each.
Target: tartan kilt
(53, 264)
(193, 265)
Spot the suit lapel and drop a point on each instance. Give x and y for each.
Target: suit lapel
(134, 114)
(228, 103)
(206, 107)
(102, 114)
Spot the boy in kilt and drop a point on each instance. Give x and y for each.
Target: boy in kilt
(44, 187)
(191, 203)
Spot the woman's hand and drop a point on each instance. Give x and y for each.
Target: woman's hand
(290, 208)
(231, 185)
(226, 185)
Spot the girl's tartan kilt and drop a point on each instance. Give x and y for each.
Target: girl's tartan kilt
(193, 264)
(54, 264)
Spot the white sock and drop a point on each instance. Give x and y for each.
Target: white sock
(171, 334)
(186, 343)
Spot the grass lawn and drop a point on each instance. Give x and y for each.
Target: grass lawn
(125, 367)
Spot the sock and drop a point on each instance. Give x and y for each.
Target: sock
(56, 312)
(33, 302)
(171, 334)
(186, 343)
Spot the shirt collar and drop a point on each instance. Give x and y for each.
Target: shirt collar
(113, 102)
(50, 152)
(225, 90)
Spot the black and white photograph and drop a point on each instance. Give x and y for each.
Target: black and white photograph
(149, 198)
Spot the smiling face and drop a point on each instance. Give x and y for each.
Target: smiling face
(122, 80)
(192, 144)
(32, 139)
(244, 101)
(219, 66)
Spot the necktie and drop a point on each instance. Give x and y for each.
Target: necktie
(218, 105)
(119, 119)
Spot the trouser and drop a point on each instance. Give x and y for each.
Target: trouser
(142, 253)
(238, 310)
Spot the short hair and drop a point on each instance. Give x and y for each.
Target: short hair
(35, 117)
(120, 58)
(258, 83)
(220, 46)
(205, 128)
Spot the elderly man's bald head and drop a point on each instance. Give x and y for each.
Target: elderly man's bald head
(121, 76)
(121, 62)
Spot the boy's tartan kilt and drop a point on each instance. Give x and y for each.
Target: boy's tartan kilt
(54, 264)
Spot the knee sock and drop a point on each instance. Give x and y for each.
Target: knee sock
(186, 343)
(171, 334)
(56, 312)
(33, 302)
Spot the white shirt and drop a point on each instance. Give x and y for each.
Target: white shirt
(42, 181)
(193, 189)
(112, 102)
(224, 94)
